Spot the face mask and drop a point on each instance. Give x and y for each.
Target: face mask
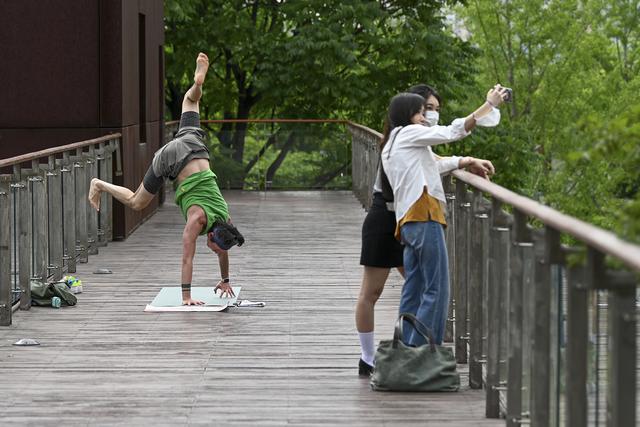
(432, 117)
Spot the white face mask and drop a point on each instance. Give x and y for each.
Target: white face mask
(432, 117)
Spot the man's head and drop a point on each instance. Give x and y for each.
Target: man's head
(224, 235)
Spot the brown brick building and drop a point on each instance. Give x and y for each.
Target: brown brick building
(73, 70)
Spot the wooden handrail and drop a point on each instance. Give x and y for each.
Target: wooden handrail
(365, 129)
(56, 150)
(597, 238)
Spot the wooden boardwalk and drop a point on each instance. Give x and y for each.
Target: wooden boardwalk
(106, 362)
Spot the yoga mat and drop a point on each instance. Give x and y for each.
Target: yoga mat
(170, 299)
(151, 309)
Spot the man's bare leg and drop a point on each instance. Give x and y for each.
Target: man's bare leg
(136, 201)
(141, 198)
(193, 95)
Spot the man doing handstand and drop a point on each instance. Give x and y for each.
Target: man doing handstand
(186, 159)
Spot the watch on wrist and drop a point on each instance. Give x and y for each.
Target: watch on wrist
(225, 280)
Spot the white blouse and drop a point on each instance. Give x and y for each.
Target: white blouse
(411, 165)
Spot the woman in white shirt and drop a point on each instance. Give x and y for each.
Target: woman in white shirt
(380, 252)
(414, 171)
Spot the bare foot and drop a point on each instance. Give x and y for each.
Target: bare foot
(94, 194)
(202, 64)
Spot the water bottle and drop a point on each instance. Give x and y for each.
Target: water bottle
(56, 302)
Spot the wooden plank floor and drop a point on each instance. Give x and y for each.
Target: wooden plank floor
(106, 362)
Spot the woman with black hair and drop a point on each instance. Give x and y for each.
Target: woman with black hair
(413, 172)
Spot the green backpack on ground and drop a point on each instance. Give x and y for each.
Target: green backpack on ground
(41, 293)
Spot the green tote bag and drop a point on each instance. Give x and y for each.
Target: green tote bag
(399, 367)
(42, 292)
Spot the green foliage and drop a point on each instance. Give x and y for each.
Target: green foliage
(319, 149)
(607, 172)
(573, 66)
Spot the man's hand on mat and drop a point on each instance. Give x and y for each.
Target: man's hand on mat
(225, 289)
(191, 301)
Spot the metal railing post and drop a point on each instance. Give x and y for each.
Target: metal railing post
(40, 223)
(355, 166)
(24, 230)
(117, 150)
(109, 200)
(623, 347)
(486, 241)
(450, 237)
(460, 286)
(101, 160)
(363, 160)
(92, 215)
(528, 318)
(5, 251)
(478, 271)
(556, 321)
(546, 243)
(54, 197)
(81, 206)
(576, 353)
(498, 287)
(520, 252)
(69, 212)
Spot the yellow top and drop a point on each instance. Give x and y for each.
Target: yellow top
(426, 208)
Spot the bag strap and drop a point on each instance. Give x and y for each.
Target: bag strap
(392, 141)
(387, 191)
(419, 327)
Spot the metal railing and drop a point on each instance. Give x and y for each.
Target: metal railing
(549, 331)
(47, 225)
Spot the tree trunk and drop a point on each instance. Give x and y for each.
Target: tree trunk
(272, 140)
(244, 108)
(225, 133)
(273, 168)
(326, 178)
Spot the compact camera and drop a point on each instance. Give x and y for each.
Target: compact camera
(509, 94)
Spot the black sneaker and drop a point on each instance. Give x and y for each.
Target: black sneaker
(364, 369)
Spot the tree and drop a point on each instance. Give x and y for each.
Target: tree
(573, 66)
(317, 58)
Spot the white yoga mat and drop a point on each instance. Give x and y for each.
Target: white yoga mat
(170, 299)
(151, 309)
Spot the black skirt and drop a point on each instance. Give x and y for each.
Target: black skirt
(379, 246)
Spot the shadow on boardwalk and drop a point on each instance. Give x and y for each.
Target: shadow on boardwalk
(105, 361)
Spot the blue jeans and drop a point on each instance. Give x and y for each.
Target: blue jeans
(426, 288)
